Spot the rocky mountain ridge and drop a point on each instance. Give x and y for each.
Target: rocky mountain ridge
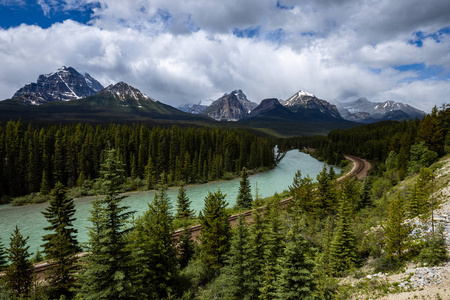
(363, 110)
(63, 85)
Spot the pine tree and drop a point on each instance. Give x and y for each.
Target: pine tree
(2, 256)
(366, 196)
(109, 271)
(395, 231)
(244, 198)
(258, 232)
(19, 274)
(155, 248)
(45, 185)
(61, 245)
(273, 250)
(303, 192)
(186, 246)
(327, 199)
(296, 280)
(183, 204)
(238, 269)
(343, 253)
(216, 232)
(184, 212)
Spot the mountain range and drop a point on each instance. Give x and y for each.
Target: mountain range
(70, 96)
(363, 110)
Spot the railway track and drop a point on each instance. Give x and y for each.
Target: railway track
(360, 169)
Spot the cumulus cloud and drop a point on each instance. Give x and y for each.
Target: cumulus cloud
(189, 51)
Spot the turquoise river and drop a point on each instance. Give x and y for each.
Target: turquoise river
(31, 222)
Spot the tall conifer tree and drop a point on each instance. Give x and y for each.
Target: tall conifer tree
(244, 198)
(238, 270)
(61, 245)
(155, 248)
(296, 280)
(343, 253)
(109, 271)
(216, 232)
(19, 274)
(395, 230)
(183, 204)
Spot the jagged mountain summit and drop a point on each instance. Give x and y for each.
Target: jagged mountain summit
(230, 107)
(308, 105)
(363, 110)
(63, 85)
(122, 91)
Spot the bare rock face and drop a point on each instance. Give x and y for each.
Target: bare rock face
(226, 108)
(63, 85)
(230, 107)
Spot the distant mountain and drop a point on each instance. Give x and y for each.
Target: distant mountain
(230, 107)
(363, 110)
(63, 85)
(308, 107)
(271, 108)
(195, 109)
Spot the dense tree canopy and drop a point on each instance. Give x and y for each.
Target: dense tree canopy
(35, 158)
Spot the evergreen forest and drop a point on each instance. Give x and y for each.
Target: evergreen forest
(35, 158)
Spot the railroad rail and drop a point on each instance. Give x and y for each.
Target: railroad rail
(360, 169)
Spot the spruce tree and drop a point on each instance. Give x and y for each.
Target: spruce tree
(296, 280)
(395, 231)
(343, 253)
(155, 248)
(327, 199)
(184, 212)
(2, 256)
(109, 270)
(45, 185)
(274, 248)
(19, 274)
(183, 204)
(186, 245)
(366, 196)
(304, 194)
(216, 231)
(258, 232)
(60, 245)
(238, 269)
(244, 198)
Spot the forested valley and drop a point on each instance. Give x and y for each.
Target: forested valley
(35, 158)
(330, 231)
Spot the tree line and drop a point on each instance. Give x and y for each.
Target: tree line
(430, 136)
(35, 158)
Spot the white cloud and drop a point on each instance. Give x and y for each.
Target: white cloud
(329, 48)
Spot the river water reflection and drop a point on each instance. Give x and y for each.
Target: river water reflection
(31, 222)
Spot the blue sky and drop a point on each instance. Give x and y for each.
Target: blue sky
(194, 50)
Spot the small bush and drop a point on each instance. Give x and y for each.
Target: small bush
(434, 251)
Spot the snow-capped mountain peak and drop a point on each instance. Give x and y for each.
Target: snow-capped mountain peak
(364, 110)
(63, 85)
(122, 91)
